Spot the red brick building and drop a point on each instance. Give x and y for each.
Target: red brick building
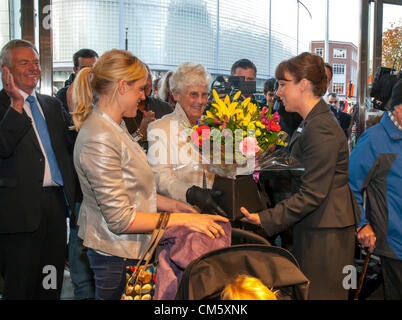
(343, 57)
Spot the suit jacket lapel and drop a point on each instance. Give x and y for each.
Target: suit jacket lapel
(296, 135)
(4, 98)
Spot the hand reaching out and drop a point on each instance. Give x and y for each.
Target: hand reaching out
(252, 218)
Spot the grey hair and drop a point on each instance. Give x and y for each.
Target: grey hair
(189, 74)
(5, 57)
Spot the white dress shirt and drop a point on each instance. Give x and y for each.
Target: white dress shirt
(47, 177)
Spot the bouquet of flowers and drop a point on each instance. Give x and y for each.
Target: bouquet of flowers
(234, 135)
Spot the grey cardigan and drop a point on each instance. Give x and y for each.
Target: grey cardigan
(116, 182)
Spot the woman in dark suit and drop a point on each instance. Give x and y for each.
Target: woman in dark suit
(322, 208)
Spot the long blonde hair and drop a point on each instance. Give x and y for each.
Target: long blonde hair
(103, 78)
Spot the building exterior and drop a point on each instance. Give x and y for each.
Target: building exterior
(166, 33)
(343, 57)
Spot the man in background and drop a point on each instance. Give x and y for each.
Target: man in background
(375, 178)
(81, 59)
(247, 69)
(269, 92)
(343, 118)
(80, 271)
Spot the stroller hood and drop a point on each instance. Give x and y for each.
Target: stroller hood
(206, 277)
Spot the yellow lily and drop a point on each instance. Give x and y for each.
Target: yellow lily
(252, 108)
(237, 95)
(210, 115)
(246, 102)
(220, 105)
(251, 126)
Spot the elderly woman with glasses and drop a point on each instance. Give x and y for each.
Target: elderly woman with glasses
(176, 164)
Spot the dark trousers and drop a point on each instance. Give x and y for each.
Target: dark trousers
(322, 255)
(81, 274)
(32, 263)
(110, 274)
(392, 275)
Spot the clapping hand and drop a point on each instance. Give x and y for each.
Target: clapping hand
(149, 116)
(11, 89)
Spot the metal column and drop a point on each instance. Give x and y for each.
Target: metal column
(363, 57)
(45, 46)
(28, 20)
(377, 43)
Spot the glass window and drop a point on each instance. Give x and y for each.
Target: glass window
(339, 53)
(9, 23)
(319, 51)
(166, 33)
(339, 68)
(338, 88)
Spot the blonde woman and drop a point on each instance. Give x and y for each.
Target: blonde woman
(120, 203)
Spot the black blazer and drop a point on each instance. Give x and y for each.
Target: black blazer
(343, 119)
(323, 198)
(22, 164)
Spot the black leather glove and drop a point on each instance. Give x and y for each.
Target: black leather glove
(205, 200)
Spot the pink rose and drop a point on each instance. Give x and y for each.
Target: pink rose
(249, 147)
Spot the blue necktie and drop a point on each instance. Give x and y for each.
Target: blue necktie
(41, 126)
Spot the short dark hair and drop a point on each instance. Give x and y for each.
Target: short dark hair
(84, 53)
(332, 94)
(244, 64)
(305, 65)
(269, 85)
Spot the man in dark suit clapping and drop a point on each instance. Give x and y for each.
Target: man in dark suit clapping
(36, 180)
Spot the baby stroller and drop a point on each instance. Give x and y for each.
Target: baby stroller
(206, 277)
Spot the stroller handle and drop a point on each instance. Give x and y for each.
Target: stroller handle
(248, 235)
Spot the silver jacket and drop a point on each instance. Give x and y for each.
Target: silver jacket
(116, 182)
(176, 164)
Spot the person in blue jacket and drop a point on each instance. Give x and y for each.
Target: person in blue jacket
(375, 177)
